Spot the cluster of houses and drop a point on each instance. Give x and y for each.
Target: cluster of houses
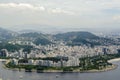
(73, 53)
(49, 63)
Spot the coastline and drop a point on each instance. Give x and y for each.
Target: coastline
(114, 60)
(109, 68)
(113, 67)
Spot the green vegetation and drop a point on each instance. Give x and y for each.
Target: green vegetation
(71, 38)
(27, 48)
(9, 47)
(79, 41)
(84, 38)
(32, 34)
(36, 38)
(74, 35)
(5, 57)
(78, 38)
(29, 68)
(6, 34)
(97, 62)
(54, 59)
(16, 47)
(42, 41)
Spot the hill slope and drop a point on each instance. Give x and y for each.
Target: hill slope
(73, 35)
(6, 34)
(78, 38)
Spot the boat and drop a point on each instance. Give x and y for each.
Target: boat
(21, 77)
(57, 76)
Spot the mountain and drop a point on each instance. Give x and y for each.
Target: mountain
(74, 35)
(42, 41)
(37, 38)
(70, 38)
(78, 38)
(28, 31)
(6, 34)
(31, 35)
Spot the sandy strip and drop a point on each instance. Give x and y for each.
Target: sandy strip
(114, 60)
(3, 60)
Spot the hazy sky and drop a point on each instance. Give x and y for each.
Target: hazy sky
(64, 13)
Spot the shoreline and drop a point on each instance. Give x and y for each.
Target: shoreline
(113, 67)
(109, 68)
(114, 60)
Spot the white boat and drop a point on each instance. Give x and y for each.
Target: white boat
(21, 77)
(57, 76)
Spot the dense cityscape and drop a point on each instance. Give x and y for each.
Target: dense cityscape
(72, 54)
(57, 51)
(59, 39)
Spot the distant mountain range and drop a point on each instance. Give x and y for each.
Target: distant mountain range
(70, 38)
(62, 29)
(7, 34)
(37, 38)
(74, 35)
(77, 38)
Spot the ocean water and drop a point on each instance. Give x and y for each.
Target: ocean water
(21, 75)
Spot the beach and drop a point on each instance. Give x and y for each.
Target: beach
(114, 60)
(108, 68)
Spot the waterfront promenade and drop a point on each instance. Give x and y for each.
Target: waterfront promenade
(3, 60)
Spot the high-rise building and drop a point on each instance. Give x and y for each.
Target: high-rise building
(4, 53)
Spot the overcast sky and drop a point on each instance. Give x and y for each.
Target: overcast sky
(64, 13)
